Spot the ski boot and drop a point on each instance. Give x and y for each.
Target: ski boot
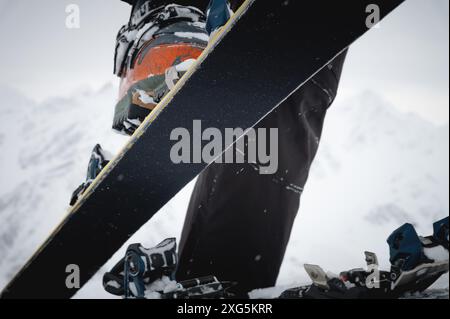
(149, 274)
(152, 55)
(99, 160)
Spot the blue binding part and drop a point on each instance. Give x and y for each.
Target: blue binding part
(440, 232)
(135, 270)
(218, 15)
(406, 250)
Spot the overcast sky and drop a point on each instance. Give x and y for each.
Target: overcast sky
(406, 59)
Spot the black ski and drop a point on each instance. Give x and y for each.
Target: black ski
(267, 51)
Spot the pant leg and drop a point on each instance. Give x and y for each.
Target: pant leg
(239, 222)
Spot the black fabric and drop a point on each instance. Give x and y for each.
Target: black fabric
(239, 222)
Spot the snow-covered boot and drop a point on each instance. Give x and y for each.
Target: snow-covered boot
(153, 51)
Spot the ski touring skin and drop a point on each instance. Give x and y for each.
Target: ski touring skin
(234, 83)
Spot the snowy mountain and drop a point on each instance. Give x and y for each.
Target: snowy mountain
(376, 169)
(44, 153)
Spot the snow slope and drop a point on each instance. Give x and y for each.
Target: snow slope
(376, 167)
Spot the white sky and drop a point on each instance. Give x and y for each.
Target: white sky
(406, 59)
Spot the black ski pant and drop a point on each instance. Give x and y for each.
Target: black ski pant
(238, 221)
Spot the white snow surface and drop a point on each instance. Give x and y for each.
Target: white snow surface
(437, 253)
(376, 169)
